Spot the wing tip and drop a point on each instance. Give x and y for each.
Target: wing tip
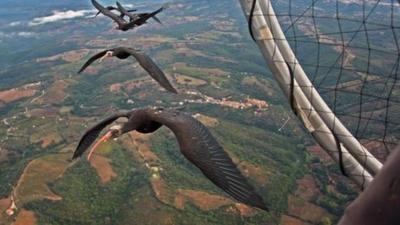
(81, 70)
(263, 207)
(173, 90)
(258, 202)
(75, 155)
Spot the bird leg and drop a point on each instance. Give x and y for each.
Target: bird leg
(105, 138)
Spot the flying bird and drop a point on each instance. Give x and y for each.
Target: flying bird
(195, 141)
(135, 16)
(145, 62)
(111, 8)
(121, 23)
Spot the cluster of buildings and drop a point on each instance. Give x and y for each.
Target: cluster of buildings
(245, 104)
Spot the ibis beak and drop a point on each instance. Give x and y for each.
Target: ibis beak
(105, 138)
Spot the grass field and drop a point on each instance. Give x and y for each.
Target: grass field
(33, 183)
(55, 94)
(49, 136)
(187, 80)
(103, 168)
(25, 217)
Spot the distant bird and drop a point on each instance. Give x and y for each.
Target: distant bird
(146, 62)
(121, 23)
(195, 141)
(134, 16)
(111, 8)
(13, 207)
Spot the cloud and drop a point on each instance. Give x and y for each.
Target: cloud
(23, 34)
(15, 23)
(58, 16)
(128, 5)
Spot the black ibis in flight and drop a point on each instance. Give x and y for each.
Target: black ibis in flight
(196, 143)
(145, 61)
(134, 16)
(122, 24)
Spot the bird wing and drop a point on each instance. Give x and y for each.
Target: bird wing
(92, 59)
(151, 67)
(145, 16)
(157, 20)
(97, 14)
(202, 149)
(154, 17)
(108, 13)
(126, 12)
(91, 135)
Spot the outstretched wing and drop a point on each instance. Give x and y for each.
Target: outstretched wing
(154, 17)
(108, 13)
(144, 17)
(154, 71)
(126, 12)
(157, 20)
(97, 14)
(92, 59)
(91, 135)
(201, 148)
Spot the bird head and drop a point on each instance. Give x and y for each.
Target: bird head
(107, 55)
(114, 132)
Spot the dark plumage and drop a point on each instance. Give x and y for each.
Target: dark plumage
(123, 24)
(111, 8)
(195, 141)
(146, 62)
(134, 16)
